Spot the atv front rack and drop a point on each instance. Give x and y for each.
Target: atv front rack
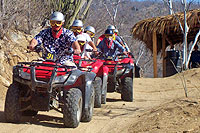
(119, 65)
(31, 67)
(88, 69)
(57, 65)
(119, 69)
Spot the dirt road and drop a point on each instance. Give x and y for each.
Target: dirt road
(160, 106)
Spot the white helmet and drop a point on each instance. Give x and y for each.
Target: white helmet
(116, 31)
(90, 28)
(111, 27)
(58, 16)
(77, 23)
(81, 37)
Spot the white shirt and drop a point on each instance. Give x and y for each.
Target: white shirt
(85, 53)
(88, 39)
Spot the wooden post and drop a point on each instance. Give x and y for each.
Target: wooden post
(164, 54)
(155, 54)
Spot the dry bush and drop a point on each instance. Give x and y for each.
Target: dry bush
(23, 15)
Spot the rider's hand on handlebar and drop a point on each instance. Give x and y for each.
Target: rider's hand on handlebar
(36, 48)
(86, 58)
(125, 53)
(76, 51)
(33, 44)
(31, 47)
(96, 52)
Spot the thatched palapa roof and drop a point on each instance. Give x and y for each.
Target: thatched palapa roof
(169, 26)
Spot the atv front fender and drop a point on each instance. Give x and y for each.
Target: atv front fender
(129, 73)
(75, 74)
(104, 86)
(89, 78)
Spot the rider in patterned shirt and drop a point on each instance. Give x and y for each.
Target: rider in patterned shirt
(56, 39)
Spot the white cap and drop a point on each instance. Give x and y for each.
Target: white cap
(81, 38)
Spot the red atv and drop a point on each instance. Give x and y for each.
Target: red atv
(100, 82)
(120, 76)
(42, 85)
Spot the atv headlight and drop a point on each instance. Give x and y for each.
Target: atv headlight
(121, 71)
(61, 78)
(24, 75)
(127, 70)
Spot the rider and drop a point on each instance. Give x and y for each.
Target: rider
(111, 27)
(56, 39)
(108, 46)
(77, 28)
(195, 58)
(126, 46)
(84, 46)
(90, 31)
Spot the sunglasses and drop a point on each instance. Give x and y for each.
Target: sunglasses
(90, 33)
(57, 23)
(81, 42)
(76, 29)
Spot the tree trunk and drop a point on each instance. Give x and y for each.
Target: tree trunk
(78, 6)
(170, 7)
(29, 16)
(185, 36)
(2, 8)
(86, 9)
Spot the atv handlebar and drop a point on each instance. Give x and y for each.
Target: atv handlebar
(89, 50)
(119, 55)
(37, 48)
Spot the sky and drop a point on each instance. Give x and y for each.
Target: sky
(172, 0)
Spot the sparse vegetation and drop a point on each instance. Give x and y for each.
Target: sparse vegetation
(155, 109)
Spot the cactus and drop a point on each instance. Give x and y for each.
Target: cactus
(71, 9)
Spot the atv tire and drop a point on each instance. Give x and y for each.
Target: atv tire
(29, 113)
(111, 87)
(87, 113)
(127, 89)
(12, 104)
(103, 95)
(72, 108)
(97, 88)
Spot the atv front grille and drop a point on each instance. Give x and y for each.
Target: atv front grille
(43, 79)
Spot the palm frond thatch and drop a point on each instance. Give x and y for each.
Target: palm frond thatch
(169, 26)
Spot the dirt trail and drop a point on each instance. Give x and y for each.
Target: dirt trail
(152, 97)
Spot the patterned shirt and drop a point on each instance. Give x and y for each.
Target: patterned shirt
(56, 45)
(112, 51)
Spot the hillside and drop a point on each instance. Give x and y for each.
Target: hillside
(13, 48)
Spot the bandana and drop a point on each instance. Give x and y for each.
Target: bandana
(57, 34)
(109, 42)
